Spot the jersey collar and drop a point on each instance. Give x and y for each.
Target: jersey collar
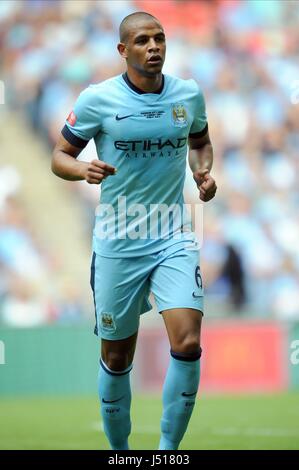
(138, 90)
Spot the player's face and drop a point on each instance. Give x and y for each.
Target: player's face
(146, 48)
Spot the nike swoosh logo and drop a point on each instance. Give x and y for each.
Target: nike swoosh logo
(118, 118)
(184, 394)
(111, 401)
(196, 296)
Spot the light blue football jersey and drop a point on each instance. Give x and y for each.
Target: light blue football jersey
(145, 136)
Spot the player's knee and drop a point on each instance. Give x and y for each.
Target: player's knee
(187, 344)
(116, 361)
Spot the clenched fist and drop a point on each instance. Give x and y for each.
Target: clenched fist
(206, 184)
(97, 171)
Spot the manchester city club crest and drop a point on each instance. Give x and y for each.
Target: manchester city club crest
(107, 322)
(179, 115)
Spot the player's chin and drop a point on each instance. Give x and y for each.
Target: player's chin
(154, 67)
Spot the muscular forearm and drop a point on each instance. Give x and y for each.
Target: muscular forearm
(67, 167)
(201, 158)
(201, 161)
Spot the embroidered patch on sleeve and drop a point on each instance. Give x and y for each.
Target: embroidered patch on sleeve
(72, 118)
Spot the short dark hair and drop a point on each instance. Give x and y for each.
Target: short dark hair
(124, 26)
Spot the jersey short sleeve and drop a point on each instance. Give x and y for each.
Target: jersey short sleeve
(200, 125)
(83, 123)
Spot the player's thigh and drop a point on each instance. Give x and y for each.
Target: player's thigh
(120, 287)
(178, 290)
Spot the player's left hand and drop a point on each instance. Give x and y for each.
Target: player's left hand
(206, 184)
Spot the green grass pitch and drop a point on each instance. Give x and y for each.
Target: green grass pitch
(218, 422)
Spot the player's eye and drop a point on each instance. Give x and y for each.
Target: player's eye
(141, 41)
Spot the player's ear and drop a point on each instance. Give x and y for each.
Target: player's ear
(122, 49)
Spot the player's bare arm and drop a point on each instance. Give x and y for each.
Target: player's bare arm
(66, 166)
(201, 162)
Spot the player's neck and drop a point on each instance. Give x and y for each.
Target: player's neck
(146, 84)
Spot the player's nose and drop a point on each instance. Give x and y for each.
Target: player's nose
(153, 45)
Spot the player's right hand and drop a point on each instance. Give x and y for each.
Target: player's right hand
(97, 171)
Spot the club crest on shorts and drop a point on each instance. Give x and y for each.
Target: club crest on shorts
(179, 115)
(107, 322)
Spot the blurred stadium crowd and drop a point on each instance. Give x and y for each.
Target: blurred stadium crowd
(30, 293)
(245, 56)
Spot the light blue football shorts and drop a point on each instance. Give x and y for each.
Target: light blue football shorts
(121, 287)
